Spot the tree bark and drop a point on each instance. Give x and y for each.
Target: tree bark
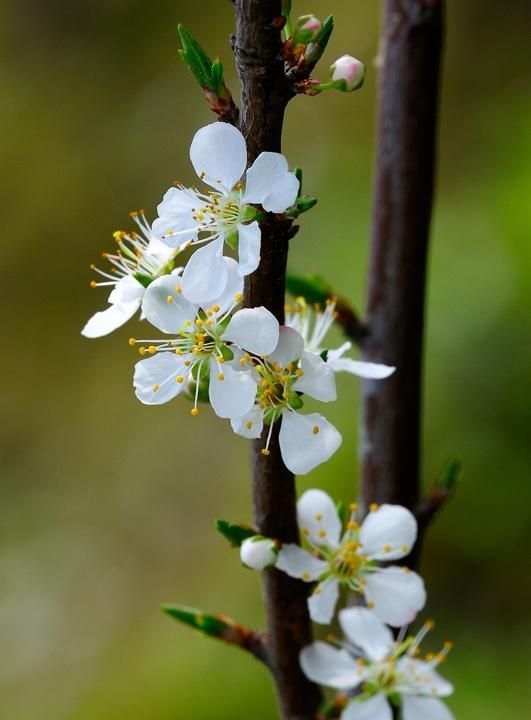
(412, 39)
(265, 93)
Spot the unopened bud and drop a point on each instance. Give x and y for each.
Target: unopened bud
(258, 553)
(348, 73)
(307, 29)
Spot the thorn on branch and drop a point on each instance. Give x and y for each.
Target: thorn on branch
(222, 628)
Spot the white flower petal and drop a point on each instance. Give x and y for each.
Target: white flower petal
(233, 289)
(104, 322)
(397, 594)
(318, 381)
(375, 708)
(388, 533)
(326, 665)
(253, 329)
(159, 250)
(421, 679)
(155, 379)
(175, 224)
(205, 275)
(126, 290)
(232, 396)
(219, 155)
(299, 563)
(249, 242)
(168, 315)
(258, 553)
(270, 184)
(424, 708)
(306, 441)
(374, 371)
(317, 514)
(249, 425)
(322, 602)
(290, 347)
(367, 632)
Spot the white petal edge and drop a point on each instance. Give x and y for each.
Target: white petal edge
(299, 563)
(318, 381)
(367, 632)
(424, 708)
(249, 425)
(249, 244)
(388, 533)
(326, 665)
(302, 447)
(219, 155)
(270, 184)
(105, 322)
(375, 708)
(231, 393)
(168, 315)
(322, 602)
(290, 347)
(155, 379)
(397, 594)
(205, 276)
(253, 329)
(317, 514)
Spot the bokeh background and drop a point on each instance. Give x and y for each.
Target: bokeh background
(107, 506)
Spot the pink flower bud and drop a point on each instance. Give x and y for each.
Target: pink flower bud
(306, 29)
(348, 73)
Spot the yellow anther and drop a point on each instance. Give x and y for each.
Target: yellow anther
(373, 507)
(194, 412)
(179, 379)
(118, 235)
(387, 548)
(220, 359)
(155, 387)
(152, 349)
(238, 297)
(169, 299)
(430, 624)
(299, 372)
(353, 507)
(93, 284)
(315, 429)
(178, 289)
(330, 637)
(353, 525)
(306, 576)
(209, 322)
(285, 394)
(319, 517)
(322, 533)
(265, 451)
(406, 569)
(404, 548)
(305, 531)
(132, 341)
(133, 213)
(221, 376)
(187, 363)
(215, 308)
(448, 645)
(142, 350)
(430, 656)
(285, 378)
(249, 425)
(370, 604)
(198, 322)
(178, 351)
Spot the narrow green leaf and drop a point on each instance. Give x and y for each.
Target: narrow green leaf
(315, 50)
(233, 532)
(451, 474)
(211, 625)
(218, 83)
(199, 64)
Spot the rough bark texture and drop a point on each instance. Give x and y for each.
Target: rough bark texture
(412, 36)
(264, 96)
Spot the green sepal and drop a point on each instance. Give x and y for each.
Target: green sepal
(298, 174)
(394, 699)
(233, 532)
(312, 287)
(324, 354)
(218, 81)
(303, 204)
(231, 238)
(198, 62)
(211, 625)
(144, 280)
(227, 353)
(451, 474)
(341, 509)
(315, 50)
(295, 401)
(286, 7)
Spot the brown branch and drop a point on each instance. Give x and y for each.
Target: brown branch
(264, 95)
(404, 181)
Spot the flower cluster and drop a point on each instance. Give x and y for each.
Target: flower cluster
(251, 370)
(385, 672)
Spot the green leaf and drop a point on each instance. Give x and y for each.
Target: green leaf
(451, 474)
(234, 533)
(305, 203)
(218, 82)
(312, 287)
(212, 625)
(341, 510)
(298, 175)
(199, 64)
(315, 50)
(144, 280)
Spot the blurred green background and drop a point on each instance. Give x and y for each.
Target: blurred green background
(107, 506)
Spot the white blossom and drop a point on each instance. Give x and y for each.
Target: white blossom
(223, 214)
(314, 324)
(348, 73)
(388, 533)
(202, 340)
(387, 672)
(305, 440)
(140, 259)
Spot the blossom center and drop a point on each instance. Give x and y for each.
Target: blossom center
(275, 390)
